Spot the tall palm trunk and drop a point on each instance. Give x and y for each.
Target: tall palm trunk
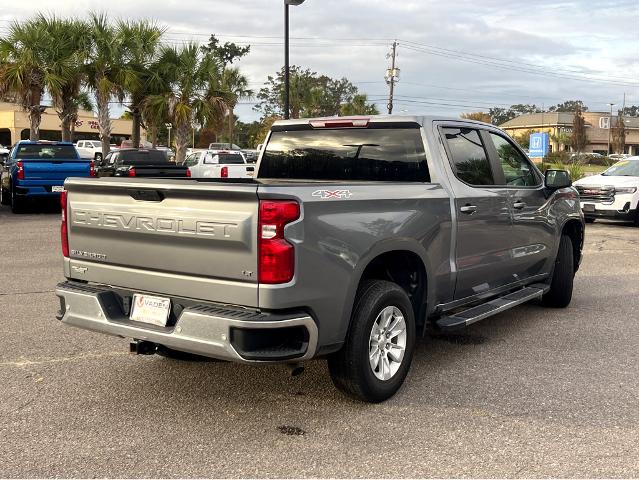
(35, 115)
(231, 124)
(182, 134)
(104, 121)
(136, 114)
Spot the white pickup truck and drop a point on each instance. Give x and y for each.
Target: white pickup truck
(219, 164)
(612, 194)
(89, 149)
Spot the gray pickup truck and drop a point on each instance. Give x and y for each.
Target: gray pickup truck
(356, 236)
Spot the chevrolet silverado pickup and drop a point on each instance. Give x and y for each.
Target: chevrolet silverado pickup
(357, 235)
(614, 194)
(37, 169)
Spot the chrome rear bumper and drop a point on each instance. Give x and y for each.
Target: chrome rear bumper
(205, 330)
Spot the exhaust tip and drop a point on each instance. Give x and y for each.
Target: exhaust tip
(296, 369)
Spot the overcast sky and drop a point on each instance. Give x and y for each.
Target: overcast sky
(455, 56)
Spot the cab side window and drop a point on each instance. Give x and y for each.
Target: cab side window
(192, 160)
(469, 158)
(517, 169)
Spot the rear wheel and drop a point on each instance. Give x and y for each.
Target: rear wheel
(16, 202)
(560, 293)
(376, 357)
(589, 220)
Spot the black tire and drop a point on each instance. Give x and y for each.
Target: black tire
(560, 293)
(350, 368)
(637, 217)
(589, 220)
(16, 202)
(167, 352)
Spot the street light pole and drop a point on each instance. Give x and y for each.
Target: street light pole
(609, 128)
(287, 73)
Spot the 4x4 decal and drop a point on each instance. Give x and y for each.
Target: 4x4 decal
(328, 194)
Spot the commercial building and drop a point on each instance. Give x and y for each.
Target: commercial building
(556, 123)
(14, 126)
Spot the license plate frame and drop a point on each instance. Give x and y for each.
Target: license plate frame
(588, 207)
(57, 188)
(150, 309)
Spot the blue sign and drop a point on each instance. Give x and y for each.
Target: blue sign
(538, 145)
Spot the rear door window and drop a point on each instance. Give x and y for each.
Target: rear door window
(378, 153)
(468, 156)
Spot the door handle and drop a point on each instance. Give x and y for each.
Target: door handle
(519, 205)
(468, 209)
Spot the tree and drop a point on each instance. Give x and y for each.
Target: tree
(30, 65)
(188, 73)
(631, 111)
(477, 116)
(234, 88)
(226, 54)
(501, 115)
(619, 135)
(570, 106)
(105, 72)
(74, 50)
(143, 72)
(359, 106)
(579, 139)
(562, 138)
(311, 95)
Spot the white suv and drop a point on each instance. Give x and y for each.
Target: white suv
(613, 194)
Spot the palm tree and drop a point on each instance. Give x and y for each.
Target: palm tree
(30, 64)
(234, 87)
(141, 40)
(68, 98)
(105, 72)
(189, 97)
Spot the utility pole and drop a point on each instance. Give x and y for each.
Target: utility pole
(392, 76)
(609, 128)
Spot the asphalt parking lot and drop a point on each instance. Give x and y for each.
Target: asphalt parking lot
(530, 393)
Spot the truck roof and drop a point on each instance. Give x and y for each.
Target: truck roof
(42, 142)
(419, 119)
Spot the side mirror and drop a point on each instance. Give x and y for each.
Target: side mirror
(556, 179)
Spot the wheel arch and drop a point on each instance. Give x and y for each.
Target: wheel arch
(575, 230)
(388, 262)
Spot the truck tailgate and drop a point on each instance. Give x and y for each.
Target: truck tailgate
(176, 237)
(55, 169)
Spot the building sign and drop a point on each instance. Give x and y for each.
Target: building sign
(604, 123)
(538, 145)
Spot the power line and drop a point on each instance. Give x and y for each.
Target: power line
(516, 69)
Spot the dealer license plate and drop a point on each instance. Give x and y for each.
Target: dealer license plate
(57, 188)
(148, 309)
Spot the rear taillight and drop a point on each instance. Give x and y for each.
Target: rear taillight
(188, 172)
(224, 173)
(20, 173)
(276, 255)
(131, 172)
(64, 227)
(92, 169)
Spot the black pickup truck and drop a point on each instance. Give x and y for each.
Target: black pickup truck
(136, 162)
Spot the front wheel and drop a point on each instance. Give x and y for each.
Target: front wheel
(589, 220)
(376, 357)
(560, 293)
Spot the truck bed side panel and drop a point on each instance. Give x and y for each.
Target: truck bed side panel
(336, 239)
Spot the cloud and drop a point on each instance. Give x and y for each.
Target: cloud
(352, 37)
